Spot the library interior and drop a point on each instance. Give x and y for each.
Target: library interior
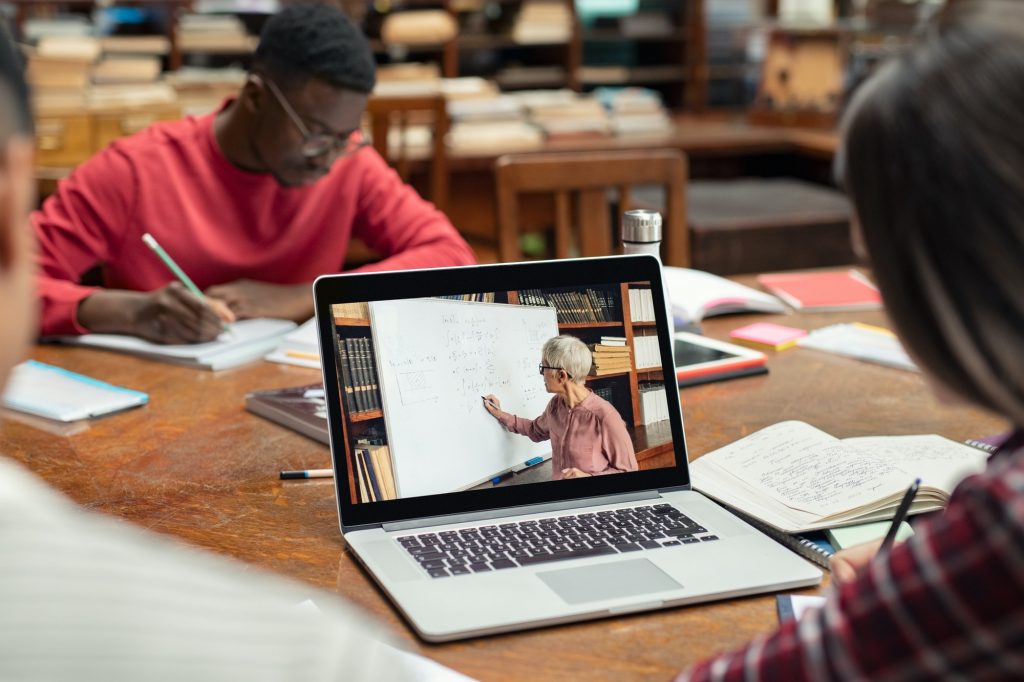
(204, 418)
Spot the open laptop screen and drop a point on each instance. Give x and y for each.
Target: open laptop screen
(483, 390)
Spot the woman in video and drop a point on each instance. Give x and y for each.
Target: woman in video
(588, 437)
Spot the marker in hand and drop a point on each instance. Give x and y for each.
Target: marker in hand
(488, 402)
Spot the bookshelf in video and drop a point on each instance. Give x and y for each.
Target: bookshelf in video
(616, 321)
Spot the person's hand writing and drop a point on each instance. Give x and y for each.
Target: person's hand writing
(170, 315)
(492, 404)
(247, 298)
(845, 564)
(573, 472)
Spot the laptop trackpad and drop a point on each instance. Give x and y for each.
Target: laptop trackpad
(608, 581)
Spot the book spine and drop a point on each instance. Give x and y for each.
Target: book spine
(357, 377)
(346, 377)
(371, 474)
(372, 367)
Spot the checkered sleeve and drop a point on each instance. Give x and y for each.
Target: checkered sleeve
(946, 604)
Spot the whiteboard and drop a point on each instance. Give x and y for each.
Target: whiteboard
(435, 358)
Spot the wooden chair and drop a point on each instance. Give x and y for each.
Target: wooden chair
(589, 175)
(400, 111)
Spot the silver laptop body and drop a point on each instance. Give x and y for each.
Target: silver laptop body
(520, 553)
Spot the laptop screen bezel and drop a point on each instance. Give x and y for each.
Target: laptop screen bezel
(378, 286)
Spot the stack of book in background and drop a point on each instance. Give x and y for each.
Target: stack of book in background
(611, 356)
(375, 471)
(635, 112)
(221, 33)
(359, 375)
(641, 305)
(580, 118)
(543, 22)
(653, 402)
(489, 121)
(201, 90)
(648, 352)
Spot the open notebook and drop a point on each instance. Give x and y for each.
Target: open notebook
(797, 478)
(248, 340)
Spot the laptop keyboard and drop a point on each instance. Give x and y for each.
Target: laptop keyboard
(558, 538)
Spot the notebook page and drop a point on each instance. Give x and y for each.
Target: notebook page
(938, 461)
(242, 334)
(807, 469)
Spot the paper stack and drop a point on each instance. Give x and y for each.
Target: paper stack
(300, 347)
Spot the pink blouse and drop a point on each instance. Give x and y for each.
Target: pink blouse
(591, 436)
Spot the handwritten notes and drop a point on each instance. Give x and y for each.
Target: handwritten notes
(798, 478)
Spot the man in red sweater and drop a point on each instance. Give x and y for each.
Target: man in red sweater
(253, 201)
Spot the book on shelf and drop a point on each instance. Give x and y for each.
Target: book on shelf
(574, 306)
(302, 409)
(641, 304)
(359, 375)
(353, 311)
(380, 469)
(838, 290)
(613, 341)
(647, 351)
(797, 478)
(694, 295)
(127, 70)
(653, 402)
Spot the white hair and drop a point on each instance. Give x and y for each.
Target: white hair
(570, 354)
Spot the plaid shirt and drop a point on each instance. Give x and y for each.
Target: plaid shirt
(947, 604)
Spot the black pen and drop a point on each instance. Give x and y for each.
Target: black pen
(901, 514)
(307, 473)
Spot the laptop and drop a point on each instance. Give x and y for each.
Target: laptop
(474, 526)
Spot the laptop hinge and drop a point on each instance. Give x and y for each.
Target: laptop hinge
(519, 511)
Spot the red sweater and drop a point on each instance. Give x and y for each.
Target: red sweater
(221, 223)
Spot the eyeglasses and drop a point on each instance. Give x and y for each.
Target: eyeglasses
(543, 367)
(317, 144)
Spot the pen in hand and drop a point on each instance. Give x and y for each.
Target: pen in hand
(152, 243)
(897, 520)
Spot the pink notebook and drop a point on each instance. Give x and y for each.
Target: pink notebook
(824, 291)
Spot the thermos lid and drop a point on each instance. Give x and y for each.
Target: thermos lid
(641, 226)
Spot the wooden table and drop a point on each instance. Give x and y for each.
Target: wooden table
(195, 466)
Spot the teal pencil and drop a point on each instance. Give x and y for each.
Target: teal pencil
(172, 266)
(152, 243)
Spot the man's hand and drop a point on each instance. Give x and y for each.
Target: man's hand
(169, 315)
(845, 564)
(247, 298)
(573, 472)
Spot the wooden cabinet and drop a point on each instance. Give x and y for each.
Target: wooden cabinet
(111, 125)
(63, 139)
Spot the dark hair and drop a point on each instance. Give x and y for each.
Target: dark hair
(14, 101)
(315, 40)
(933, 158)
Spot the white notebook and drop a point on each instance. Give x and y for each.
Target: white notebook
(247, 341)
(56, 393)
(300, 347)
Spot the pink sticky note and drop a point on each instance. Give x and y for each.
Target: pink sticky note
(767, 334)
